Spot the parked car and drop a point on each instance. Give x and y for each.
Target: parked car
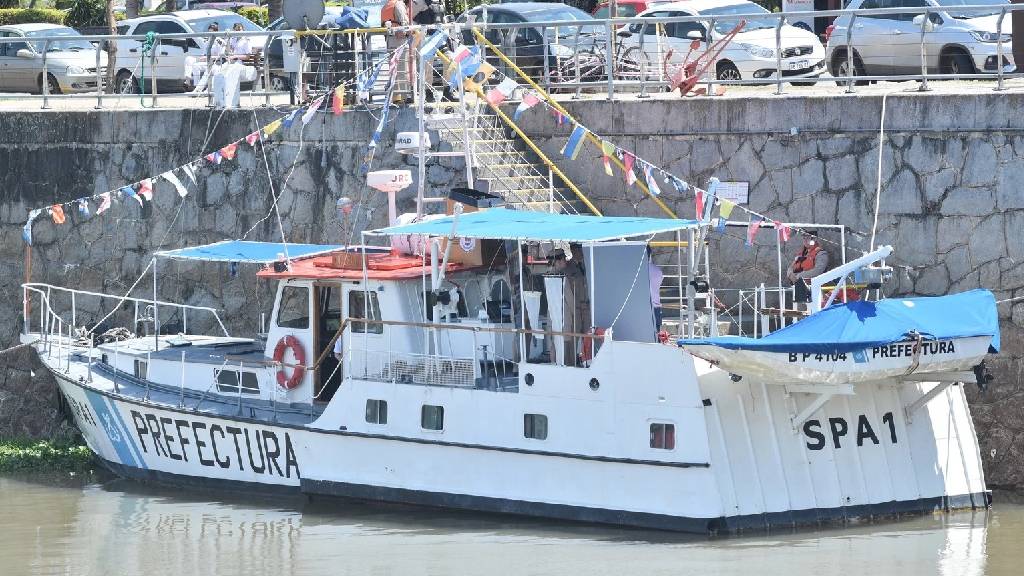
(623, 8)
(169, 66)
(70, 61)
(750, 55)
(526, 47)
(955, 41)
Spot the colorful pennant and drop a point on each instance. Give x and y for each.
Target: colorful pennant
(146, 189)
(313, 108)
(530, 99)
(607, 150)
(627, 162)
(724, 210)
(26, 231)
(104, 203)
(752, 229)
(57, 213)
(170, 177)
(338, 102)
(652, 182)
(575, 143)
(699, 201)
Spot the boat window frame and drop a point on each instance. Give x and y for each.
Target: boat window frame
(423, 417)
(668, 435)
(378, 412)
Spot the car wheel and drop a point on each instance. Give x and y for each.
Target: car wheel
(956, 63)
(728, 71)
(127, 84)
(52, 84)
(279, 84)
(840, 67)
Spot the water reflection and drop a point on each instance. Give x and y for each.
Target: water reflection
(123, 528)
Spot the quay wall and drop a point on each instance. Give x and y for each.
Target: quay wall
(950, 203)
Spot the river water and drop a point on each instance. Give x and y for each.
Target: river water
(118, 527)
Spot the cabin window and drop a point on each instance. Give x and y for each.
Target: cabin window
(227, 382)
(535, 426)
(432, 417)
(357, 308)
(141, 370)
(663, 436)
(293, 311)
(377, 411)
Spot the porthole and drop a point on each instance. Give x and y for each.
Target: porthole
(594, 384)
(528, 379)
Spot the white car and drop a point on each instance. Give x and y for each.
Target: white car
(750, 55)
(169, 67)
(70, 61)
(956, 41)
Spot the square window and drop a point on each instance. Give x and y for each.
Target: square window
(432, 417)
(663, 436)
(141, 369)
(357, 308)
(535, 426)
(376, 411)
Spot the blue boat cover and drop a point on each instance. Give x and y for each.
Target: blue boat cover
(248, 252)
(505, 224)
(861, 324)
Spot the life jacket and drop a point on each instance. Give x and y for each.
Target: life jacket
(387, 13)
(805, 261)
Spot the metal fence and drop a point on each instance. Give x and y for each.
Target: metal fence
(620, 58)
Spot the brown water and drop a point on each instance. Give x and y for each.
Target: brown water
(119, 527)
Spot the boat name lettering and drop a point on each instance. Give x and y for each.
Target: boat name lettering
(805, 356)
(82, 409)
(178, 439)
(897, 350)
(838, 428)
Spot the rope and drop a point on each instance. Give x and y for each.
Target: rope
(147, 49)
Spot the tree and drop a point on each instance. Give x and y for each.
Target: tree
(131, 8)
(112, 47)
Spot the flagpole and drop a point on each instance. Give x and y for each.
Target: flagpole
(156, 313)
(778, 257)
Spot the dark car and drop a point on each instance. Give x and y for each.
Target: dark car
(526, 46)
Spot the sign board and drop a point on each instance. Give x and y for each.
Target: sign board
(805, 22)
(736, 192)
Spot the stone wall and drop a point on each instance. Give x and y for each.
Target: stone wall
(949, 199)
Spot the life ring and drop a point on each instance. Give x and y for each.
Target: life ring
(298, 371)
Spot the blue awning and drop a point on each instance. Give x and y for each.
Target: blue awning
(248, 252)
(858, 325)
(505, 224)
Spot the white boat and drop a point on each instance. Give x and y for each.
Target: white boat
(457, 387)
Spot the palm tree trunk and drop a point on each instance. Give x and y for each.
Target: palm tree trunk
(111, 47)
(131, 8)
(273, 10)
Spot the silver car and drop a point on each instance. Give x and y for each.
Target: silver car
(70, 61)
(956, 41)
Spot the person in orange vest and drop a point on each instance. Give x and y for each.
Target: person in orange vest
(396, 13)
(811, 261)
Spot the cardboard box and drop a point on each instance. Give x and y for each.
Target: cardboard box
(475, 252)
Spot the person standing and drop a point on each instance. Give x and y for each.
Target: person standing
(656, 277)
(395, 14)
(811, 261)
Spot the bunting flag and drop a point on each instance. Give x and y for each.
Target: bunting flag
(214, 157)
(678, 184)
(338, 102)
(432, 44)
(461, 53)
(290, 119)
(271, 128)
(371, 77)
(627, 162)
(783, 231)
(559, 117)
(313, 108)
(607, 150)
(104, 203)
(130, 192)
(146, 189)
(530, 99)
(170, 177)
(700, 203)
(502, 91)
(652, 182)
(752, 229)
(190, 171)
(479, 77)
(57, 213)
(228, 152)
(724, 210)
(575, 142)
(26, 231)
(252, 138)
(83, 206)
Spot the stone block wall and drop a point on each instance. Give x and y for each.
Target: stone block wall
(950, 200)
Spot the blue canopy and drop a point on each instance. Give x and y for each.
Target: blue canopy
(249, 252)
(861, 324)
(505, 224)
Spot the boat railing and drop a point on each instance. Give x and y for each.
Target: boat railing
(457, 354)
(53, 315)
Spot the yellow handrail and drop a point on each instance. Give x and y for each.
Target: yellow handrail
(480, 37)
(547, 162)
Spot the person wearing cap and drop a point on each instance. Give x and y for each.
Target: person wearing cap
(811, 261)
(396, 14)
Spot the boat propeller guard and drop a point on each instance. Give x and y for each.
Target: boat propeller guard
(298, 369)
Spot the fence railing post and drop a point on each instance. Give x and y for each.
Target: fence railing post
(609, 65)
(999, 48)
(45, 79)
(100, 75)
(849, 53)
(924, 55)
(778, 55)
(152, 71)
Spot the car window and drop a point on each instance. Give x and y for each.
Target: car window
(878, 4)
(682, 29)
(950, 6)
(73, 43)
(726, 17)
(648, 30)
(910, 4)
(168, 27)
(145, 28)
(602, 12)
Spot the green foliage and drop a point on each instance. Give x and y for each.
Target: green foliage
(42, 455)
(29, 15)
(62, 4)
(83, 13)
(9, 4)
(257, 15)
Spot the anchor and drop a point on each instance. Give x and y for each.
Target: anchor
(686, 76)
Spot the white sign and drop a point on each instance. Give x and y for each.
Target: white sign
(805, 22)
(736, 192)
